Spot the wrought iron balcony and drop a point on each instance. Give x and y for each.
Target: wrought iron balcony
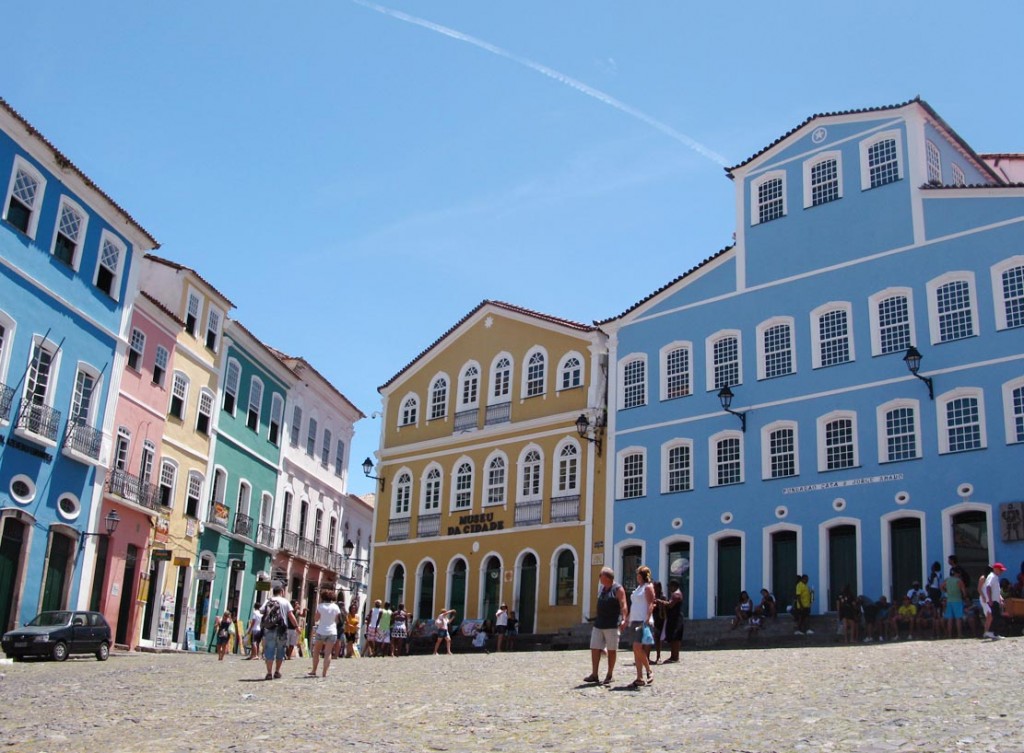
(6, 400)
(243, 525)
(398, 529)
(322, 556)
(528, 513)
(465, 420)
(306, 548)
(131, 489)
(39, 420)
(84, 440)
(565, 508)
(498, 414)
(428, 525)
(265, 535)
(289, 541)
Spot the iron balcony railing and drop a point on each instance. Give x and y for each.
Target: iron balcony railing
(322, 556)
(289, 541)
(243, 525)
(398, 529)
(6, 400)
(465, 420)
(498, 414)
(265, 535)
(131, 489)
(528, 513)
(565, 508)
(38, 419)
(84, 439)
(306, 549)
(428, 525)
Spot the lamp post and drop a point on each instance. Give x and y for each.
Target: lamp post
(725, 397)
(367, 468)
(111, 522)
(913, 361)
(582, 427)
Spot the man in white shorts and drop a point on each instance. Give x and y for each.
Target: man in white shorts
(612, 615)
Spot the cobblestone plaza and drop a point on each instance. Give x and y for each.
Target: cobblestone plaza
(910, 696)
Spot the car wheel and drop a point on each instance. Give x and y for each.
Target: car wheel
(104, 652)
(60, 651)
(17, 658)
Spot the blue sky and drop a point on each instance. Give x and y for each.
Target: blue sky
(356, 182)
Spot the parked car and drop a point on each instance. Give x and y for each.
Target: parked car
(58, 635)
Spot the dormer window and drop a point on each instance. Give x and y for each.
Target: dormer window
(823, 179)
(934, 163)
(192, 314)
(24, 198)
(108, 271)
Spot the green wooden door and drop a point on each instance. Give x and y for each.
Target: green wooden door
(492, 588)
(728, 593)
(457, 595)
(426, 602)
(526, 612)
(56, 572)
(905, 550)
(842, 563)
(783, 568)
(679, 571)
(397, 592)
(10, 556)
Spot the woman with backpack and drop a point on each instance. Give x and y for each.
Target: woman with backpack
(225, 628)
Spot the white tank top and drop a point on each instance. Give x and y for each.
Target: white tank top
(638, 604)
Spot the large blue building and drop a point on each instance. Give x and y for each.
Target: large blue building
(67, 278)
(861, 237)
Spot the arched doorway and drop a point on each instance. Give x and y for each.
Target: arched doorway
(526, 610)
(425, 605)
(631, 560)
(842, 563)
(457, 590)
(11, 543)
(396, 588)
(492, 587)
(58, 562)
(730, 558)
(970, 542)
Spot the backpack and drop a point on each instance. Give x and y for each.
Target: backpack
(272, 619)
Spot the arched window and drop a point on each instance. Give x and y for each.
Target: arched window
(469, 386)
(402, 494)
(439, 398)
(632, 472)
(568, 470)
(1008, 292)
(837, 441)
(530, 470)
(501, 379)
(892, 320)
(570, 371)
(934, 162)
(276, 418)
(410, 411)
(496, 468)
(633, 371)
(179, 395)
(535, 373)
(952, 308)
(775, 348)
(431, 498)
(768, 197)
(723, 356)
(831, 336)
(168, 479)
(194, 494)
(779, 457)
(961, 418)
(462, 488)
(823, 179)
(675, 370)
(565, 578)
(726, 456)
(898, 432)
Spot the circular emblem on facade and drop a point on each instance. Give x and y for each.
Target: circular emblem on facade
(630, 527)
(838, 504)
(68, 506)
(727, 517)
(475, 547)
(902, 498)
(677, 523)
(781, 511)
(965, 490)
(819, 134)
(23, 489)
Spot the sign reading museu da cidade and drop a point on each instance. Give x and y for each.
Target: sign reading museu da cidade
(477, 523)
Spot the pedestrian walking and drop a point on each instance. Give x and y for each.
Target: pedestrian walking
(328, 615)
(991, 597)
(255, 632)
(384, 630)
(953, 588)
(802, 605)
(399, 630)
(511, 631)
(277, 616)
(641, 620)
(443, 633)
(352, 628)
(501, 625)
(612, 616)
(225, 629)
(659, 623)
(371, 628)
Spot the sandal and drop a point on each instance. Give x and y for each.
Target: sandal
(590, 678)
(650, 678)
(607, 680)
(277, 675)
(636, 684)
(269, 676)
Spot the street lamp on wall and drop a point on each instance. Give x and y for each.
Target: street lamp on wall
(111, 522)
(583, 426)
(348, 548)
(913, 361)
(367, 468)
(725, 397)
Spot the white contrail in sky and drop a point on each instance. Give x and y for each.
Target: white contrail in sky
(558, 76)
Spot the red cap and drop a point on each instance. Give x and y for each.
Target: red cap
(998, 566)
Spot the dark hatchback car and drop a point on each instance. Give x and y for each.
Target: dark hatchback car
(58, 635)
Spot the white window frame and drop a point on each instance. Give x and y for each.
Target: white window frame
(218, 330)
(402, 410)
(525, 382)
(424, 510)
(160, 349)
(564, 370)
(276, 417)
(709, 351)
(822, 422)
(33, 220)
(623, 363)
(397, 491)
(755, 204)
(816, 315)
(666, 448)
(255, 386)
(876, 327)
(663, 374)
(998, 294)
(1009, 418)
(521, 474)
(205, 391)
(557, 460)
(431, 401)
(713, 442)
(766, 448)
(312, 434)
(455, 490)
(493, 399)
(762, 353)
(115, 285)
(97, 391)
(959, 179)
(295, 427)
(933, 286)
(933, 163)
(6, 345)
(488, 486)
(808, 167)
(198, 477)
(883, 436)
(340, 463)
(463, 377)
(184, 398)
(620, 471)
(131, 349)
(244, 496)
(76, 257)
(54, 373)
(173, 466)
(193, 294)
(866, 144)
(940, 415)
(228, 390)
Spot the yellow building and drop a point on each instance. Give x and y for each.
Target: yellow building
(489, 492)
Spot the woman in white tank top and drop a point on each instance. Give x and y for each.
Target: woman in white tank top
(641, 611)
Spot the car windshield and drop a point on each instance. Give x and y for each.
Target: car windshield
(49, 619)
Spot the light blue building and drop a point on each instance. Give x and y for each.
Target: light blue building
(860, 236)
(67, 279)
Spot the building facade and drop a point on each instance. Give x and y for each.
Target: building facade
(488, 493)
(863, 240)
(68, 269)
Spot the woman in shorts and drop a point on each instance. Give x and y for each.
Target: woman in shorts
(399, 629)
(441, 624)
(328, 614)
(225, 627)
(352, 628)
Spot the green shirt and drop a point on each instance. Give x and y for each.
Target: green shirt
(954, 588)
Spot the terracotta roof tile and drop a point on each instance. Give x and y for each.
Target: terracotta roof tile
(931, 187)
(183, 268)
(65, 162)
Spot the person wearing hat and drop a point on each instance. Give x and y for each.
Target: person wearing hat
(992, 600)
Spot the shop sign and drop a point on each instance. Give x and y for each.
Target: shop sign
(161, 555)
(238, 564)
(478, 523)
(263, 585)
(182, 561)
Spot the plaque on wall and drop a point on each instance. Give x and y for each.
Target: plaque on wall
(1011, 521)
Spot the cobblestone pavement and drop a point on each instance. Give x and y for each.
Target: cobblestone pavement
(911, 696)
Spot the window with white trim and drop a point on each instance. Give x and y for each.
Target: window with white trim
(24, 197)
(193, 494)
(961, 419)
(831, 341)
(634, 381)
(204, 413)
(296, 427)
(82, 402)
(958, 175)
(768, 194)
(179, 394)
(244, 498)
(311, 438)
(632, 473)
(431, 499)
(570, 371)
(1008, 292)
(136, 349)
(952, 308)
(232, 377)
(933, 162)
(438, 398)
(880, 160)
(410, 411)
(276, 419)
(675, 370)
(531, 467)
(192, 312)
(496, 472)
(220, 485)
(213, 329)
(775, 348)
(69, 234)
(724, 361)
(726, 454)
(822, 180)
(121, 447)
(7, 328)
(462, 489)
(111, 261)
(677, 466)
(146, 461)
(567, 479)
(1013, 410)
(899, 436)
(168, 477)
(469, 386)
(535, 374)
(325, 449)
(160, 365)
(501, 380)
(892, 321)
(40, 381)
(837, 441)
(339, 459)
(402, 495)
(779, 454)
(252, 416)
